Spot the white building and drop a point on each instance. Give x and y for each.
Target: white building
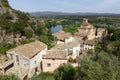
(89, 44)
(27, 58)
(72, 47)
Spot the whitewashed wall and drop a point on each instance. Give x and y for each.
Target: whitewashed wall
(76, 51)
(69, 40)
(24, 62)
(87, 47)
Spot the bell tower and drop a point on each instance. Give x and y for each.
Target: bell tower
(85, 20)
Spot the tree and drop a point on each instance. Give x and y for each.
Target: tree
(98, 48)
(64, 72)
(114, 47)
(8, 77)
(97, 67)
(43, 76)
(4, 3)
(116, 35)
(28, 33)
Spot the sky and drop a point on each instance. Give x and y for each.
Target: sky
(71, 6)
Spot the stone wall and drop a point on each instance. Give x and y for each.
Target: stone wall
(49, 65)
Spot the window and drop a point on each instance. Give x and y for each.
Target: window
(48, 65)
(35, 62)
(53, 59)
(17, 58)
(11, 56)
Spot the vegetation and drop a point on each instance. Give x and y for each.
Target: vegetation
(98, 66)
(65, 72)
(6, 46)
(72, 28)
(16, 24)
(5, 3)
(43, 76)
(101, 64)
(8, 77)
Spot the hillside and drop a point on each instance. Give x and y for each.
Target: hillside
(17, 28)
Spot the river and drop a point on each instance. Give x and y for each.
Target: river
(56, 28)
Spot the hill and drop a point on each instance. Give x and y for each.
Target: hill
(18, 28)
(50, 13)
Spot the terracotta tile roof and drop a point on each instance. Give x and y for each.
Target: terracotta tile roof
(55, 54)
(73, 43)
(61, 35)
(29, 50)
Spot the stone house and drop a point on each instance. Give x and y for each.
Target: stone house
(62, 37)
(101, 33)
(73, 48)
(86, 30)
(89, 31)
(89, 44)
(27, 59)
(53, 59)
(5, 64)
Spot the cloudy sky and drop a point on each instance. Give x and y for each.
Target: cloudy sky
(99, 6)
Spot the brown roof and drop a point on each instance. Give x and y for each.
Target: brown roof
(66, 46)
(61, 35)
(90, 42)
(81, 34)
(101, 29)
(73, 43)
(29, 50)
(55, 54)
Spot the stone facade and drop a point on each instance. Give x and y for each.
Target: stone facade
(50, 65)
(101, 32)
(53, 59)
(89, 31)
(29, 61)
(89, 44)
(73, 48)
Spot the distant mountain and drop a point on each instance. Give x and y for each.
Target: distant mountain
(50, 13)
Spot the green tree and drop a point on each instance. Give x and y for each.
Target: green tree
(97, 67)
(8, 77)
(5, 3)
(43, 76)
(64, 72)
(28, 33)
(116, 35)
(98, 48)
